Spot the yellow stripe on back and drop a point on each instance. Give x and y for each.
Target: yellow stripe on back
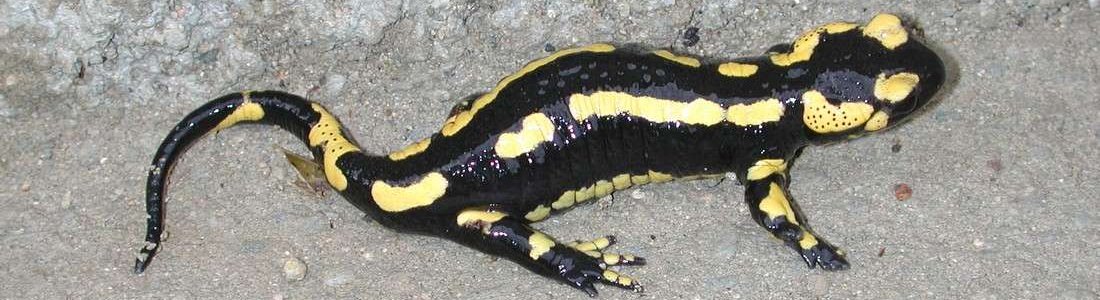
(757, 113)
(697, 112)
(607, 104)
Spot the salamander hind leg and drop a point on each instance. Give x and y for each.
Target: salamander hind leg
(580, 264)
(772, 207)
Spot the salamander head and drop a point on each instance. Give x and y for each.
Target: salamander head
(868, 77)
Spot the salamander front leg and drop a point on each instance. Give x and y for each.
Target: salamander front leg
(771, 207)
(580, 264)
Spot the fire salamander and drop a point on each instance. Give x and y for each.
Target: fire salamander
(583, 123)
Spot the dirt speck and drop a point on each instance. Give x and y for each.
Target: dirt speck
(902, 192)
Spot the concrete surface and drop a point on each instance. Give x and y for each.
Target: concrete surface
(1003, 169)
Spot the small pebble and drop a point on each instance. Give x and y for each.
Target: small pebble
(902, 192)
(25, 187)
(995, 165)
(294, 269)
(67, 200)
(637, 194)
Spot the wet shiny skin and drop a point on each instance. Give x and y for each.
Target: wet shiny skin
(586, 122)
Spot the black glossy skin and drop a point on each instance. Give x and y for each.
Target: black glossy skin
(843, 68)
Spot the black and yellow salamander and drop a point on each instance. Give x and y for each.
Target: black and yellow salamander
(585, 122)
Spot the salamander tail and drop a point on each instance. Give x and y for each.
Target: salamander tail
(290, 112)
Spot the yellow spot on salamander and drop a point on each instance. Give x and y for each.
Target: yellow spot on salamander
(421, 193)
(459, 120)
(327, 135)
(607, 104)
(414, 149)
(701, 176)
(538, 214)
(807, 241)
(887, 29)
(766, 167)
(540, 244)
(604, 188)
(895, 87)
(621, 182)
(776, 204)
(479, 218)
(247, 111)
(683, 60)
(625, 281)
(736, 69)
(593, 245)
(878, 121)
(536, 129)
(837, 27)
(803, 47)
(822, 117)
(703, 112)
(615, 277)
(585, 193)
(566, 200)
(473, 215)
(658, 177)
(611, 259)
(610, 275)
(770, 110)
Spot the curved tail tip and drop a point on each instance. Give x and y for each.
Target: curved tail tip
(145, 256)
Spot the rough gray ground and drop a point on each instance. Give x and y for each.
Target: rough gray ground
(1003, 168)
